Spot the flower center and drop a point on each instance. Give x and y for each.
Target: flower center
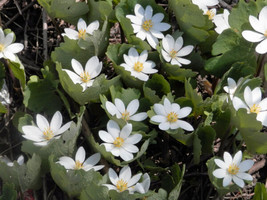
(233, 169)
(121, 185)
(81, 33)
(211, 14)
(255, 109)
(173, 53)
(138, 66)
(78, 165)
(265, 34)
(48, 134)
(172, 117)
(85, 77)
(118, 142)
(125, 115)
(147, 25)
(2, 47)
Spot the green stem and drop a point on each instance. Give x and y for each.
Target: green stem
(260, 64)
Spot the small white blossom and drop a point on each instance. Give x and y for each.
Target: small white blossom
(44, 132)
(204, 4)
(124, 181)
(232, 86)
(120, 142)
(85, 77)
(138, 65)
(4, 95)
(148, 26)
(80, 162)
(82, 30)
(233, 169)
(126, 114)
(169, 116)
(7, 49)
(221, 21)
(253, 103)
(210, 12)
(173, 51)
(9, 163)
(143, 187)
(260, 26)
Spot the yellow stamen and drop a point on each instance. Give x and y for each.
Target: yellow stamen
(121, 185)
(265, 34)
(172, 117)
(118, 142)
(233, 169)
(81, 33)
(1, 47)
(138, 66)
(125, 116)
(147, 25)
(85, 77)
(48, 134)
(255, 109)
(173, 53)
(211, 14)
(78, 165)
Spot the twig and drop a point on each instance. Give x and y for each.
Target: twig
(225, 5)
(18, 7)
(3, 2)
(25, 30)
(45, 34)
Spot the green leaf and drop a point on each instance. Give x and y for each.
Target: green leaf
(9, 192)
(158, 84)
(177, 175)
(94, 192)
(99, 10)
(91, 94)
(73, 182)
(161, 195)
(69, 11)
(18, 71)
(121, 196)
(218, 182)
(222, 125)
(175, 72)
(265, 71)
(191, 21)
(206, 135)
(260, 192)
(2, 74)
(196, 148)
(40, 95)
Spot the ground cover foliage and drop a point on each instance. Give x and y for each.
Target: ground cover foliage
(154, 108)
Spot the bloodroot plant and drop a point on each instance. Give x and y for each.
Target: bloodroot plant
(137, 99)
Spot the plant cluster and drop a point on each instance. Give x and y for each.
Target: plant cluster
(132, 107)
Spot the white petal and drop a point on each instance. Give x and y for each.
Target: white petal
(80, 155)
(92, 160)
(133, 107)
(93, 66)
(148, 12)
(161, 26)
(185, 50)
(125, 155)
(42, 122)
(157, 18)
(139, 117)
(74, 77)
(152, 40)
(67, 162)
(143, 56)
(77, 67)
(125, 173)
(9, 39)
(113, 177)
(109, 147)
(227, 158)
(139, 10)
(134, 19)
(238, 181)
(168, 43)
(178, 44)
(111, 108)
(220, 163)
(261, 48)
(164, 126)
(120, 105)
(56, 121)
(92, 27)
(115, 151)
(134, 180)
(15, 48)
(110, 187)
(175, 62)
(158, 118)
(63, 128)
(227, 180)
(159, 109)
(245, 165)
(263, 16)
(71, 34)
(81, 24)
(106, 137)
(133, 139)
(238, 103)
(263, 104)
(256, 95)
(252, 36)
(183, 61)
(20, 160)
(248, 97)
(113, 128)
(141, 34)
(130, 148)
(256, 24)
(126, 131)
(185, 125)
(166, 56)
(237, 158)
(183, 112)
(139, 75)
(244, 176)
(262, 117)
(219, 173)
(156, 33)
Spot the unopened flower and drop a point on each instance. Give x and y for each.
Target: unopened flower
(126, 114)
(232, 86)
(124, 181)
(85, 77)
(7, 49)
(233, 169)
(148, 26)
(4, 95)
(173, 51)
(45, 131)
(138, 65)
(169, 116)
(80, 162)
(253, 103)
(221, 21)
(120, 142)
(143, 187)
(9, 163)
(259, 25)
(204, 4)
(83, 29)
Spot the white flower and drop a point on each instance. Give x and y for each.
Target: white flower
(260, 26)
(7, 49)
(253, 104)
(221, 21)
(124, 181)
(233, 169)
(4, 95)
(80, 162)
(147, 26)
(44, 132)
(210, 12)
(204, 4)
(85, 77)
(82, 30)
(126, 114)
(9, 163)
(173, 51)
(138, 64)
(232, 86)
(120, 142)
(169, 115)
(143, 187)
